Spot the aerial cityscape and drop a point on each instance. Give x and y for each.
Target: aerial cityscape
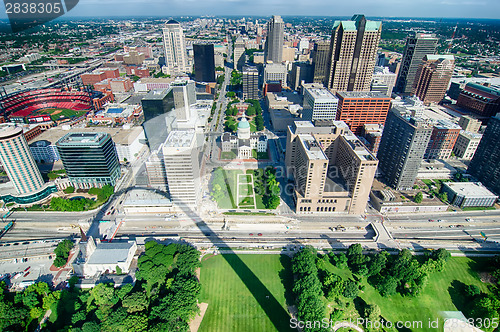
(249, 173)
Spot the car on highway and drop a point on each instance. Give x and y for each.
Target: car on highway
(469, 219)
(26, 274)
(251, 234)
(26, 269)
(260, 234)
(439, 220)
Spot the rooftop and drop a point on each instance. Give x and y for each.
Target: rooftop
(321, 94)
(110, 253)
(362, 95)
(312, 147)
(9, 129)
(179, 139)
(156, 94)
(469, 189)
(119, 135)
(82, 139)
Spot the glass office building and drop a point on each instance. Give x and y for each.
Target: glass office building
(90, 159)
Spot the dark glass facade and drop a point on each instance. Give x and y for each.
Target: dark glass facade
(204, 63)
(156, 106)
(90, 159)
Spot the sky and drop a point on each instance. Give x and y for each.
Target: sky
(375, 8)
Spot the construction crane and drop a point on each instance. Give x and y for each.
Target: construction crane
(452, 37)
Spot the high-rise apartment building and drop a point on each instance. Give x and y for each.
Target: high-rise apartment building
(250, 83)
(182, 168)
(331, 168)
(443, 138)
(485, 165)
(320, 60)
(319, 103)
(90, 159)
(204, 62)
(17, 159)
(239, 53)
(352, 55)
(273, 50)
(417, 46)
(433, 77)
(175, 48)
(402, 147)
(155, 169)
(359, 108)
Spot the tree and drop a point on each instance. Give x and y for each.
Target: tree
(386, 285)
(377, 263)
(62, 252)
(443, 197)
(372, 312)
(135, 302)
(351, 289)
(69, 190)
(418, 197)
(250, 111)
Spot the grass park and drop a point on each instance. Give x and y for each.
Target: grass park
(245, 293)
(251, 293)
(56, 114)
(442, 293)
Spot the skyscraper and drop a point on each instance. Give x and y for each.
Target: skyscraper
(402, 148)
(175, 48)
(204, 63)
(17, 160)
(352, 55)
(433, 77)
(157, 106)
(320, 60)
(485, 165)
(417, 46)
(90, 159)
(250, 83)
(182, 168)
(239, 53)
(274, 42)
(184, 97)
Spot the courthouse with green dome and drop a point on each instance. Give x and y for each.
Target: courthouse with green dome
(244, 141)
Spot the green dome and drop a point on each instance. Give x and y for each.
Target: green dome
(243, 124)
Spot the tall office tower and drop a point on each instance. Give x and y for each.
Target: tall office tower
(250, 83)
(417, 46)
(155, 169)
(273, 50)
(301, 73)
(360, 108)
(319, 103)
(17, 159)
(90, 159)
(182, 168)
(239, 53)
(485, 165)
(184, 97)
(204, 63)
(175, 48)
(158, 118)
(402, 148)
(320, 60)
(433, 77)
(352, 55)
(470, 124)
(382, 76)
(332, 170)
(443, 138)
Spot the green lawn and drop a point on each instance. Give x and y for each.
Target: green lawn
(440, 293)
(245, 293)
(260, 155)
(258, 197)
(245, 202)
(478, 208)
(246, 189)
(245, 179)
(230, 155)
(229, 202)
(56, 114)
